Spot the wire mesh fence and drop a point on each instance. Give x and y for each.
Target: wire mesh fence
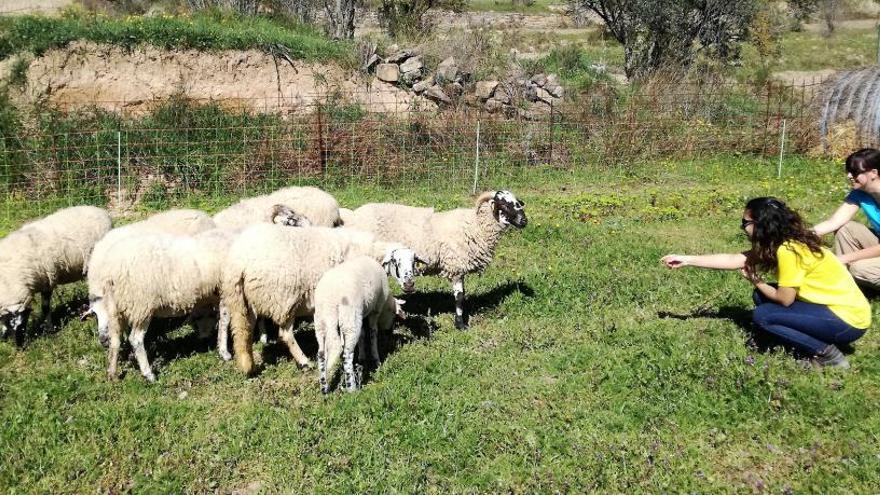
(183, 151)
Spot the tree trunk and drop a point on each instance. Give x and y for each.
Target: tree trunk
(340, 16)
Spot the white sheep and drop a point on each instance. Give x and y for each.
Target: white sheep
(345, 296)
(272, 272)
(43, 254)
(176, 222)
(319, 207)
(452, 243)
(155, 275)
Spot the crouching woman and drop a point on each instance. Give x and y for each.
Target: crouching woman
(815, 304)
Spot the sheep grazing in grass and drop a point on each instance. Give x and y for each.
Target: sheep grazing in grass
(43, 254)
(177, 222)
(346, 295)
(155, 275)
(319, 207)
(452, 243)
(272, 272)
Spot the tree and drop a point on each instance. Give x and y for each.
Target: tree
(670, 33)
(340, 18)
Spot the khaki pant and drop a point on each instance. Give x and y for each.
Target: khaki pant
(854, 236)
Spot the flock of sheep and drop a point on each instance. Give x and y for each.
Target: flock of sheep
(276, 257)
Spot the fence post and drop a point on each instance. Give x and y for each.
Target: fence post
(551, 133)
(119, 166)
(781, 151)
(477, 161)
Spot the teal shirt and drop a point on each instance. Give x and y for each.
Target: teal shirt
(868, 205)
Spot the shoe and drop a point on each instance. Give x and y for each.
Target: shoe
(831, 356)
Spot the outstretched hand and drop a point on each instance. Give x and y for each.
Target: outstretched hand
(674, 261)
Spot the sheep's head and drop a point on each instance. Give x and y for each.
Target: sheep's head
(506, 208)
(399, 262)
(15, 305)
(14, 318)
(284, 215)
(393, 310)
(96, 306)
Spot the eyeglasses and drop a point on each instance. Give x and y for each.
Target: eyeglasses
(853, 176)
(745, 223)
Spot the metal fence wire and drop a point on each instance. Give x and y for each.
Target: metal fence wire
(183, 149)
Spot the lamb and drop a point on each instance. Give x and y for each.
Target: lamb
(42, 255)
(155, 275)
(453, 243)
(346, 295)
(272, 272)
(319, 207)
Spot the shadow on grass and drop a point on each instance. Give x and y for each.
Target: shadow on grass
(742, 317)
(62, 314)
(440, 301)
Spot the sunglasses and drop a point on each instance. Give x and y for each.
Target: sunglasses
(745, 223)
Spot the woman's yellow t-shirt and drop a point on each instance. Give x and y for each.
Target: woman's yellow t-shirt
(822, 280)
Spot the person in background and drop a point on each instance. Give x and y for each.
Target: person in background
(855, 244)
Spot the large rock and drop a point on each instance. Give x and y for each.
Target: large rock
(543, 95)
(411, 77)
(485, 89)
(411, 65)
(398, 56)
(423, 86)
(539, 79)
(501, 95)
(447, 71)
(554, 89)
(388, 72)
(493, 105)
(436, 93)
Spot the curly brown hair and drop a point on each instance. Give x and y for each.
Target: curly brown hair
(775, 224)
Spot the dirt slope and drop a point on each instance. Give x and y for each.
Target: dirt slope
(112, 78)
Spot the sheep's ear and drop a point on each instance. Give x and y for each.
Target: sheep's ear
(400, 302)
(387, 259)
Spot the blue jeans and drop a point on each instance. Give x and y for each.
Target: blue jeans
(806, 326)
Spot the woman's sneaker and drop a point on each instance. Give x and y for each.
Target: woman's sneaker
(831, 356)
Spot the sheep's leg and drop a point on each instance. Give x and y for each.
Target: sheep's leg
(205, 326)
(223, 334)
(115, 327)
(321, 335)
(46, 310)
(373, 329)
(136, 338)
(352, 373)
(263, 330)
(458, 292)
(286, 335)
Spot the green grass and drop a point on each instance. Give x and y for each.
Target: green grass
(201, 32)
(570, 379)
(846, 49)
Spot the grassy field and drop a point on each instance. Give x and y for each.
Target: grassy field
(587, 367)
